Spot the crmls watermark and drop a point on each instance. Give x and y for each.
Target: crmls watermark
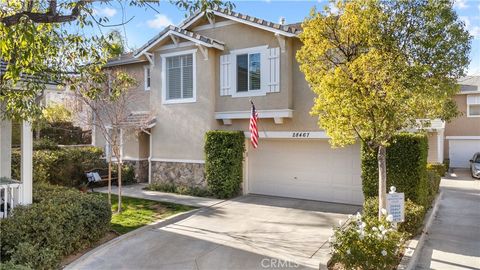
(272, 263)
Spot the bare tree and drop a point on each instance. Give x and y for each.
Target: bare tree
(111, 97)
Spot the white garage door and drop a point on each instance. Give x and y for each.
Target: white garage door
(461, 151)
(308, 169)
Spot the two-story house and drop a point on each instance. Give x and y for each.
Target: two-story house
(463, 133)
(201, 76)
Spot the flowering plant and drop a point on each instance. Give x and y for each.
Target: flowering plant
(367, 243)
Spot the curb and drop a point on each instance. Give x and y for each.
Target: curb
(410, 259)
(157, 224)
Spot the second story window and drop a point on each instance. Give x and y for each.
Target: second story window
(147, 78)
(473, 106)
(248, 72)
(178, 77)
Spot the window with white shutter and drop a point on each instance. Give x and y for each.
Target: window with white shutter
(178, 77)
(250, 72)
(225, 76)
(274, 70)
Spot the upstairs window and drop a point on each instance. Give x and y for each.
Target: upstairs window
(147, 78)
(179, 77)
(473, 106)
(248, 72)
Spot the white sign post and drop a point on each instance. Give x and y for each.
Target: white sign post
(396, 205)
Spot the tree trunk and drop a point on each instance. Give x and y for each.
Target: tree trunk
(119, 168)
(382, 179)
(110, 181)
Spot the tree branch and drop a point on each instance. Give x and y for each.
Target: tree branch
(51, 16)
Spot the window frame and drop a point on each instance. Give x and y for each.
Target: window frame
(147, 74)
(472, 100)
(249, 93)
(164, 57)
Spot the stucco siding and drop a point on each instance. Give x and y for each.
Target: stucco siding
(432, 147)
(462, 125)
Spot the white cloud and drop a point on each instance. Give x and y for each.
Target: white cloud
(159, 22)
(461, 4)
(105, 12)
(474, 30)
(333, 8)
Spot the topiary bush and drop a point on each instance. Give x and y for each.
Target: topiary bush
(63, 166)
(406, 168)
(365, 243)
(60, 222)
(224, 162)
(414, 215)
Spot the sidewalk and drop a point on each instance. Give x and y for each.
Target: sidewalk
(454, 239)
(137, 191)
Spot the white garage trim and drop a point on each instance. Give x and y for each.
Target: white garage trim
(463, 137)
(304, 169)
(290, 134)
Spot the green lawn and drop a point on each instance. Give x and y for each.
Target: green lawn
(140, 212)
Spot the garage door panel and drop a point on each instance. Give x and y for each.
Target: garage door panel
(461, 151)
(306, 169)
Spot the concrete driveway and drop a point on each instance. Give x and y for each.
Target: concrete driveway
(249, 232)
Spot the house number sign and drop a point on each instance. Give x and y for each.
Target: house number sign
(300, 134)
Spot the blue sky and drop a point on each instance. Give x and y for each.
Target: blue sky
(146, 22)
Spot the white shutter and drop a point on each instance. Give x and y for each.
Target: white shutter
(225, 74)
(274, 70)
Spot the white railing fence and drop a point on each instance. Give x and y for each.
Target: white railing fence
(10, 196)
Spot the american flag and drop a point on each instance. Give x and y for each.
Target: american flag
(253, 127)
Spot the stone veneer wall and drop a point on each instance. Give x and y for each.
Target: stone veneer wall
(179, 173)
(141, 169)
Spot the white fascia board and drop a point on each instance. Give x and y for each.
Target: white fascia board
(463, 137)
(233, 18)
(266, 28)
(171, 32)
(287, 113)
(296, 135)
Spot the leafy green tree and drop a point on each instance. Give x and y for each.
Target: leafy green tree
(43, 41)
(378, 66)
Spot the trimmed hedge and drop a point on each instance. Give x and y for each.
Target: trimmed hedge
(179, 189)
(440, 168)
(433, 183)
(60, 222)
(406, 168)
(224, 162)
(64, 166)
(414, 215)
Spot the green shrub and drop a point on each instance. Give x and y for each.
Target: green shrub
(60, 222)
(433, 184)
(179, 189)
(64, 133)
(224, 162)
(128, 173)
(11, 266)
(364, 243)
(414, 215)
(440, 168)
(406, 168)
(45, 144)
(65, 166)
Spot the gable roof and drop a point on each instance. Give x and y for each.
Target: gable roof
(287, 30)
(469, 84)
(124, 59)
(182, 33)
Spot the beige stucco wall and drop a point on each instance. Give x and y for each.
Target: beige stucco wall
(180, 129)
(462, 125)
(241, 36)
(432, 146)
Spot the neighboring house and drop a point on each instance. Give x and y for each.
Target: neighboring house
(81, 113)
(201, 76)
(463, 133)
